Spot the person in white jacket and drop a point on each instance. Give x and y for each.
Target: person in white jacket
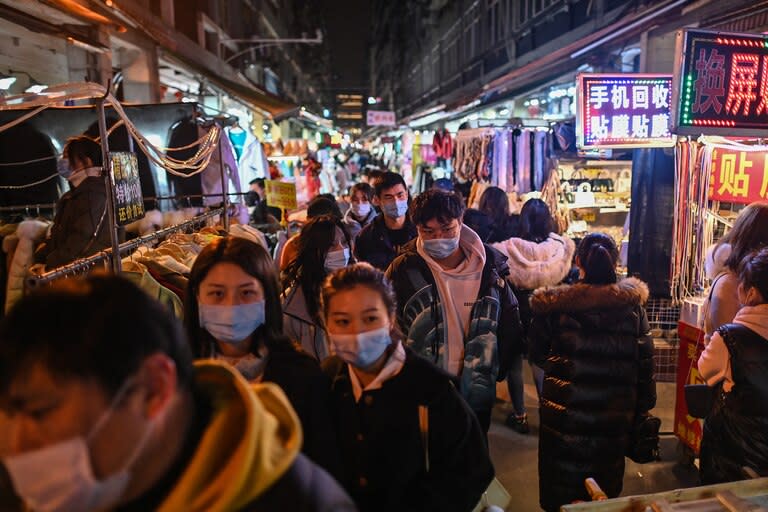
(537, 258)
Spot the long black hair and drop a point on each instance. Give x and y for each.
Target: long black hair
(535, 221)
(308, 269)
(256, 262)
(598, 256)
(495, 204)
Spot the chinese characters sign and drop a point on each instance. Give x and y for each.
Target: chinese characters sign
(738, 176)
(281, 194)
(623, 111)
(129, 200)
(687, 428)
(380, 118)
(723, 83)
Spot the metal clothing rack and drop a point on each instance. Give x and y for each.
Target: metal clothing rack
(103, 257)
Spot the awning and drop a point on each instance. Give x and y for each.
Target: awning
(570, 55)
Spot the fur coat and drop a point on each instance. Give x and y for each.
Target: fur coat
(593, 344)
(533, 265)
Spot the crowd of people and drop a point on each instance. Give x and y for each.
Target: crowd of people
(357, 369)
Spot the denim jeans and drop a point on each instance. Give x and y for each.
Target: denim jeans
(515, 384)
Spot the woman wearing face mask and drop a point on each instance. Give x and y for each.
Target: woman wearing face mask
(323, 246)
(407, 440)
(233, 313)
(360, 213)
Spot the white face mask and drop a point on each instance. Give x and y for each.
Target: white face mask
(363, 349)
(60, 478)
(335, 260)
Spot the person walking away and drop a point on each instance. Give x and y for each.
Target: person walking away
(537, 258)
(736, 431)
(598, 375)
(749, 233)
(454, 304)
(80, 227)
(323, 246)
(361, 212)
(495, 204)
(233, 313)
(380, 241)
(320, 205)
(407, 439)
(119, 418)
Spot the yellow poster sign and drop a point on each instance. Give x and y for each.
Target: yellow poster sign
(281, 194)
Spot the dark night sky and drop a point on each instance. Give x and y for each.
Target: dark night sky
(348, 23)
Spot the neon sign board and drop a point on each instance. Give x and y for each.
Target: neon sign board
(721, 84)
(623, 110)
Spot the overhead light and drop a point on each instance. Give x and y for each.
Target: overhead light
(85, 46)
(371, 100)
(504, 112)
(6, 81)
(36, 88)
(326, 113)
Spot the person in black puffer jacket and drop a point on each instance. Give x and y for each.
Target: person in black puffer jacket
(593, 336)
(736, 430)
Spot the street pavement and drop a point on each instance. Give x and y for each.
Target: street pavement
(515, 456)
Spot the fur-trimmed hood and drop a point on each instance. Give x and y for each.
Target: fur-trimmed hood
(584, 297)
(533, 265)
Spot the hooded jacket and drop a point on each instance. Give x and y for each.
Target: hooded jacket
(493, 336)
(593, 344)
(248, 456)
(736, 431)
(353, 225)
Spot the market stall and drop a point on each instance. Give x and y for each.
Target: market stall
(720, 169)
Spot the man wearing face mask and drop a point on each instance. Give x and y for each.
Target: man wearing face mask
(118, 418)
(454, 305)
(382, 240)
(81, 227)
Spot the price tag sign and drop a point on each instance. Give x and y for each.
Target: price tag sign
(281, 194)
(721, 84)
(129, 200)
(623, 110)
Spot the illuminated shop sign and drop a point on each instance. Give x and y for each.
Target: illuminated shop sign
(623, 110)
(721, 84)
(739, 176)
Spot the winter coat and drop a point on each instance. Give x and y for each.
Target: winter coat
(81, 212)
(307, 388)
(374, 246)
(736, 431)
(534, 265)
(598, 363)
(300, 327)
(28, 234)
(494, 336)
(353, 225)
(381, 448)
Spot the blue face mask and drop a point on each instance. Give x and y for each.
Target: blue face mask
(396, 209)
(441, 248)
(363, 349)
(335, 260)
(232, 324)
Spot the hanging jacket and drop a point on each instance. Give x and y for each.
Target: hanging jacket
(248, 456)
(381, 449)
(736, 431)
(593, 344)
(494, 336)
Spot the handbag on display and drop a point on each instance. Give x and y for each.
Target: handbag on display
(624, 182)
(599, 184)
(577, 179)
(583, 196)
(643, 445)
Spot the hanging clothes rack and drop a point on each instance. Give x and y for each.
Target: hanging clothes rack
(103, 257)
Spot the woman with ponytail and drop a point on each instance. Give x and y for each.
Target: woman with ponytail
(592, 340)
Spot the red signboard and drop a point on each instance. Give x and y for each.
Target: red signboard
(688, 428)
(623, 110)
(721, 83)
(738, 176)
